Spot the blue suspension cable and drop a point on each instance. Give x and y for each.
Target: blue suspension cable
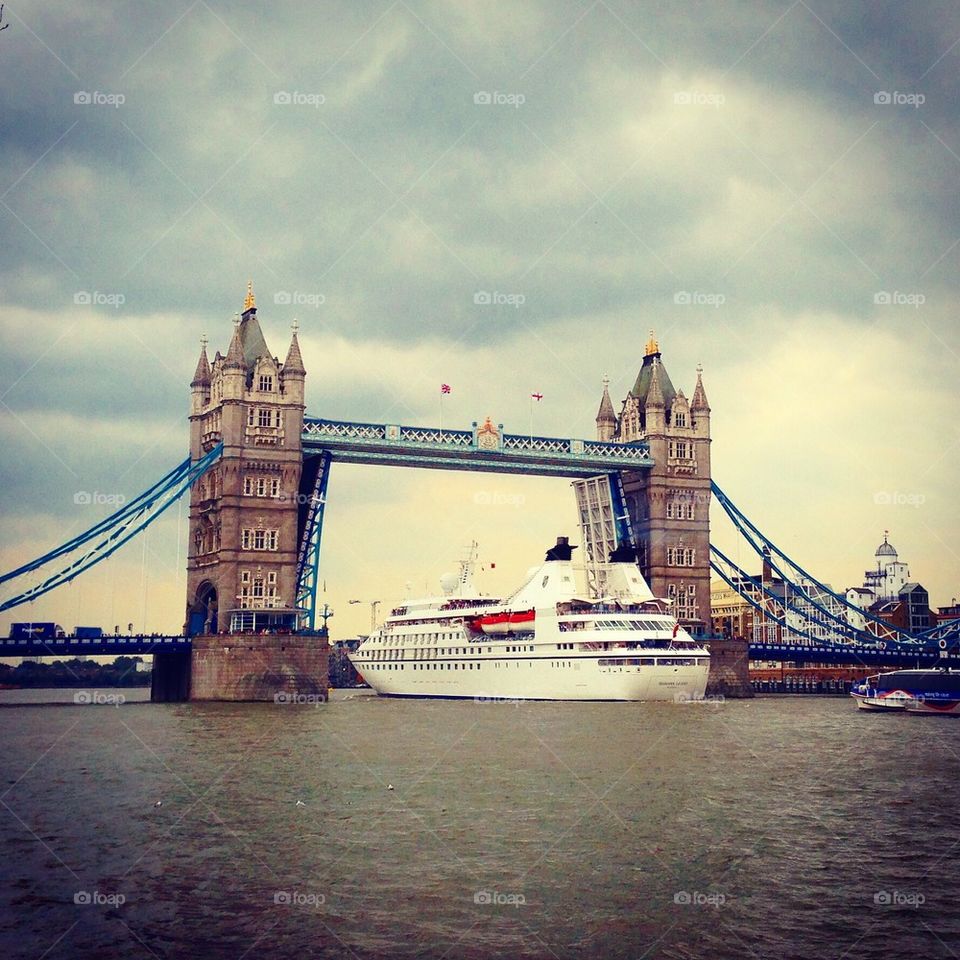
(757, 606)
(741, 522)
(99, 527)
(860, 638)
(172, 484)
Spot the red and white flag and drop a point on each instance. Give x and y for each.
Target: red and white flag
(536, 396)
(444, 387)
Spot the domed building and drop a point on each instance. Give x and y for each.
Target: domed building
(887, 593)
(889, 576)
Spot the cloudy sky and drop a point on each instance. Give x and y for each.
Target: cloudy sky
(772, 186)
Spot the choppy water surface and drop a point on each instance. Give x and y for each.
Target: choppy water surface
(791, 827)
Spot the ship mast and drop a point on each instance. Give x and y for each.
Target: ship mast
(467, 565)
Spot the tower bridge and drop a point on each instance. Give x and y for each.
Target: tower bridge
(258, 471)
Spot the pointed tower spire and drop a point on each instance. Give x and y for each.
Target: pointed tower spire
(653, 348)
(606, 412)
(249, 302)
(606, 416)
(294, 361)
(201, 378)
(655, 393)
(234, 356)
(699, 401)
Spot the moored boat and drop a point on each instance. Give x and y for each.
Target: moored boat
(933, 692)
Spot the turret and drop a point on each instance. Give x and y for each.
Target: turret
(655, 408)
(699, 408)
(234, 369)
(606, 417)
(292, 372)
(200, 385)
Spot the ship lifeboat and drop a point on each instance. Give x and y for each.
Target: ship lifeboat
(504, 622)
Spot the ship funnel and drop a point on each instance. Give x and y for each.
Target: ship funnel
(561, 550)
(625, 552)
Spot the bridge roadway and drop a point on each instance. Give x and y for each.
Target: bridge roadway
(844, 654)
(486, 448)
(118, 645)
(143, 644)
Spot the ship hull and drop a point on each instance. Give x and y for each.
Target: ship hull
(540, 679)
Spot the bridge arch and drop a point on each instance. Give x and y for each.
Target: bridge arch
(202, 617)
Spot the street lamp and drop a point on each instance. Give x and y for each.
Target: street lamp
(373, 611)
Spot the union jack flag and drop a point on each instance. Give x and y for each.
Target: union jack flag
(444, 387)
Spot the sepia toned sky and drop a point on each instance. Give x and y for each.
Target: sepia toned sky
(771, 186)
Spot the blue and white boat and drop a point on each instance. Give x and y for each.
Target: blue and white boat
(931, 692)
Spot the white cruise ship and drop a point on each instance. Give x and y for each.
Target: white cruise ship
(547, 641)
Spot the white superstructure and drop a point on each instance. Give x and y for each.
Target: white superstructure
(546, 641)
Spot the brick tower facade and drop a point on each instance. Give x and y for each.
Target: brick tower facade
(243, 513)
(248, 642)
(669, 504)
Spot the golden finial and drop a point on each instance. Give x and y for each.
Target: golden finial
(249, 303)
(652, 345)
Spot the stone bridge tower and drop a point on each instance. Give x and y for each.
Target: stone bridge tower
(243, 537)
(669, 505)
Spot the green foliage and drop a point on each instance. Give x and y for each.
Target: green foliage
(75, 673)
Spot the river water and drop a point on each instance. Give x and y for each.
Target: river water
(782, 827)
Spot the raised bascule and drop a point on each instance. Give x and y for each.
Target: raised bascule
(257, 475)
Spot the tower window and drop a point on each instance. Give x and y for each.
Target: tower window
(680, 420)
(263, 417)
(681, 557)
(680, 509)
(266, 382)
(259, 539)
(254, 486)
